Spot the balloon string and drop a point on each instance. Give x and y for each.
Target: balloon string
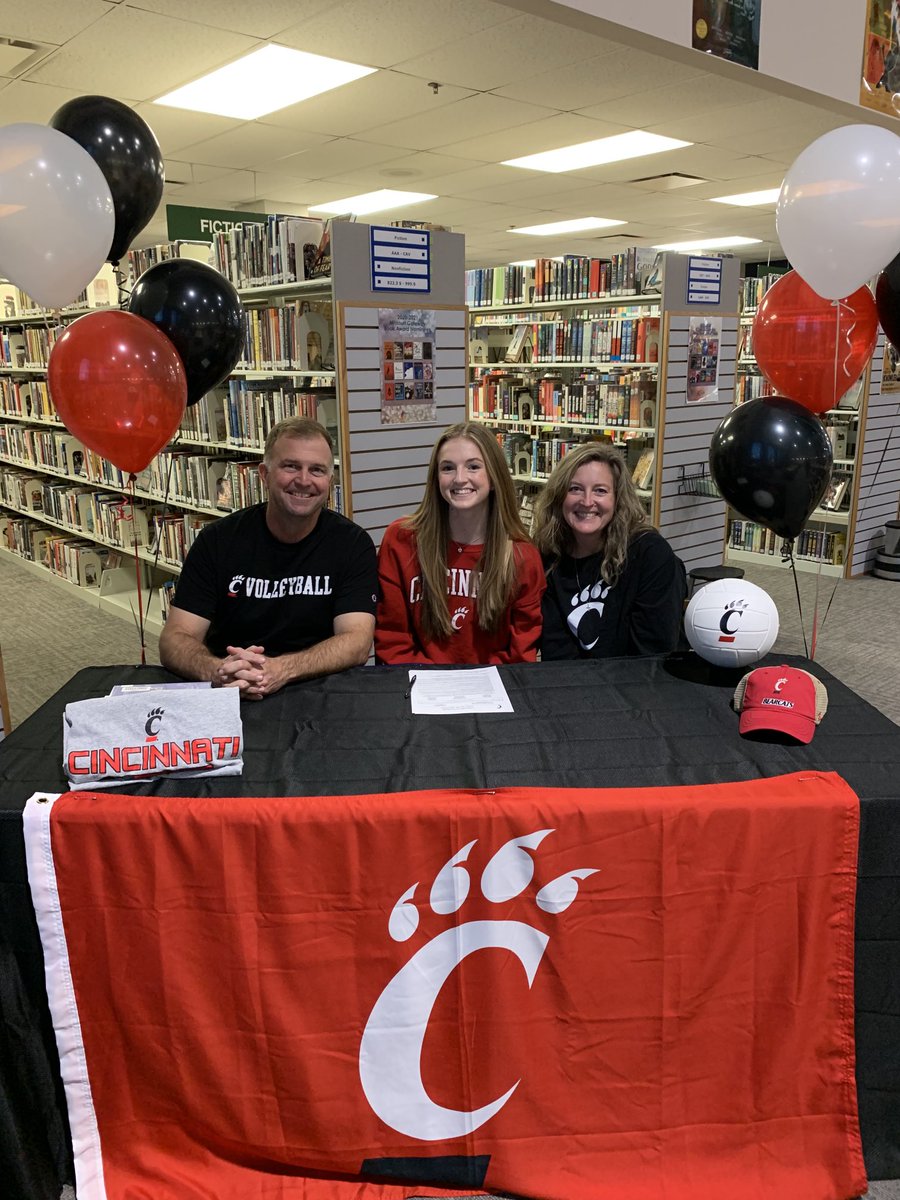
(815, 620)
(121, 279)
(137, 572)
(828, 605)
(165, 502)
(787, 555)
(837, 338)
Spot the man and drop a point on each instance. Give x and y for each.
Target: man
(280, 591)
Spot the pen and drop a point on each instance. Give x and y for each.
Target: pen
(408, 692)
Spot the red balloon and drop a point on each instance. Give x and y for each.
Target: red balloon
(810, 348)
(119, 386)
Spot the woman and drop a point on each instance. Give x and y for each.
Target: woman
(460, 581)
(614, 586)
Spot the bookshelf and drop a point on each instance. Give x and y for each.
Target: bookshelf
(562, 352)
(826, 543)
(61, 505)
(613, 350)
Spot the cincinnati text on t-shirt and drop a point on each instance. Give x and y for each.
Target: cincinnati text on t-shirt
(459, 583)
(273, 589)
(152, 756)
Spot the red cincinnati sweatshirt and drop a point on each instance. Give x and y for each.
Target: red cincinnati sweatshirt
(399, 637)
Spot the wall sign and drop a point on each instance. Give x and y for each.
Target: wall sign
(184, 223)
(703, 359)
(401, 259)
(704, 281)
(406, 337)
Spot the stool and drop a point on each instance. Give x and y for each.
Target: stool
(701, 575)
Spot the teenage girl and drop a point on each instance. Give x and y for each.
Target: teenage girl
(460, 581)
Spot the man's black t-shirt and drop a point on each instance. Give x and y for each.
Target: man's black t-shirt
(641, 614)
(283, 596)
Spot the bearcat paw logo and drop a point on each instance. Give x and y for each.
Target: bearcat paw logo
(391, 1048)
(153, 722)
(235, 584)
(458, 617)
(587, 609)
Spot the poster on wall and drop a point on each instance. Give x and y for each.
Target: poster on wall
(880, 83)
(406, 338)
(728, 29)
(703, 359)
(890, 380)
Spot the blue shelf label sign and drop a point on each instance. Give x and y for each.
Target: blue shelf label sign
(401, 259)
(704, 281)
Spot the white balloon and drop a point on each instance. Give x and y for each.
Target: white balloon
(838, 215)
(56, 214)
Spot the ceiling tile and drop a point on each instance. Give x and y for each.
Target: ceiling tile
(140, 52)
(32, 102)
(700, 96)
(391, 31)
(791, 138)
(251, 145)
(272, 186)
(564, 129)
(415, 172)
(176, 128)
(460, 183)
(483, 112)
(237, 187)
(501, 56)
(622, 71)
(48, 21)
(519, 189)
(331, 158)
(261, 19)
(374, 100)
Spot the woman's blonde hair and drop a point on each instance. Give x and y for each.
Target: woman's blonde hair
(497, 566)
(552, 535)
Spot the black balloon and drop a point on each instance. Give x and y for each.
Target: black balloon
(125, 149)
(887, 301)
(771, 460)
(200, 312)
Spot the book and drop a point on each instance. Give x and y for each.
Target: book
(835, 492)
(643, 471)
(516, 349)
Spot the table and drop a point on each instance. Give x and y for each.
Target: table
(620, 723)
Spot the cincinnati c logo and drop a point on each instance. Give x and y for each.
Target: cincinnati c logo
(780, 683)
(234, 585)
(733, 611)
(390, 1054)
(153, 722)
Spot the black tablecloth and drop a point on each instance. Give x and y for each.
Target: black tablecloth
(650, 722)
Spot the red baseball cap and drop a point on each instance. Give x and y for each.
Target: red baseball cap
(784, 699)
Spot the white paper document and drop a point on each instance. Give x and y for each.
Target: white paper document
(479, 690)
(122, 689)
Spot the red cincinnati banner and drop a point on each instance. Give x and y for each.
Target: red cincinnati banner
(569, 994)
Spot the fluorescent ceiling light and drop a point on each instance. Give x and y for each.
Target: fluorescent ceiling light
(369, 202)
(746, 199)
(262, 82)
(603, 150)
(576, 226)
(524, 262)
(713, 243)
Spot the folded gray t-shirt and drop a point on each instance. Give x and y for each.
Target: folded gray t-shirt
(142, 735)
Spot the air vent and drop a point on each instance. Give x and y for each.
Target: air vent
(17, 57)
(667, 183)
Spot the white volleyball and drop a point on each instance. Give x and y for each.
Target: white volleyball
(731, 622)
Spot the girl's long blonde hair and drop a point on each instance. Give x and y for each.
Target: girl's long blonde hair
(552, 535)
(497, 566)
